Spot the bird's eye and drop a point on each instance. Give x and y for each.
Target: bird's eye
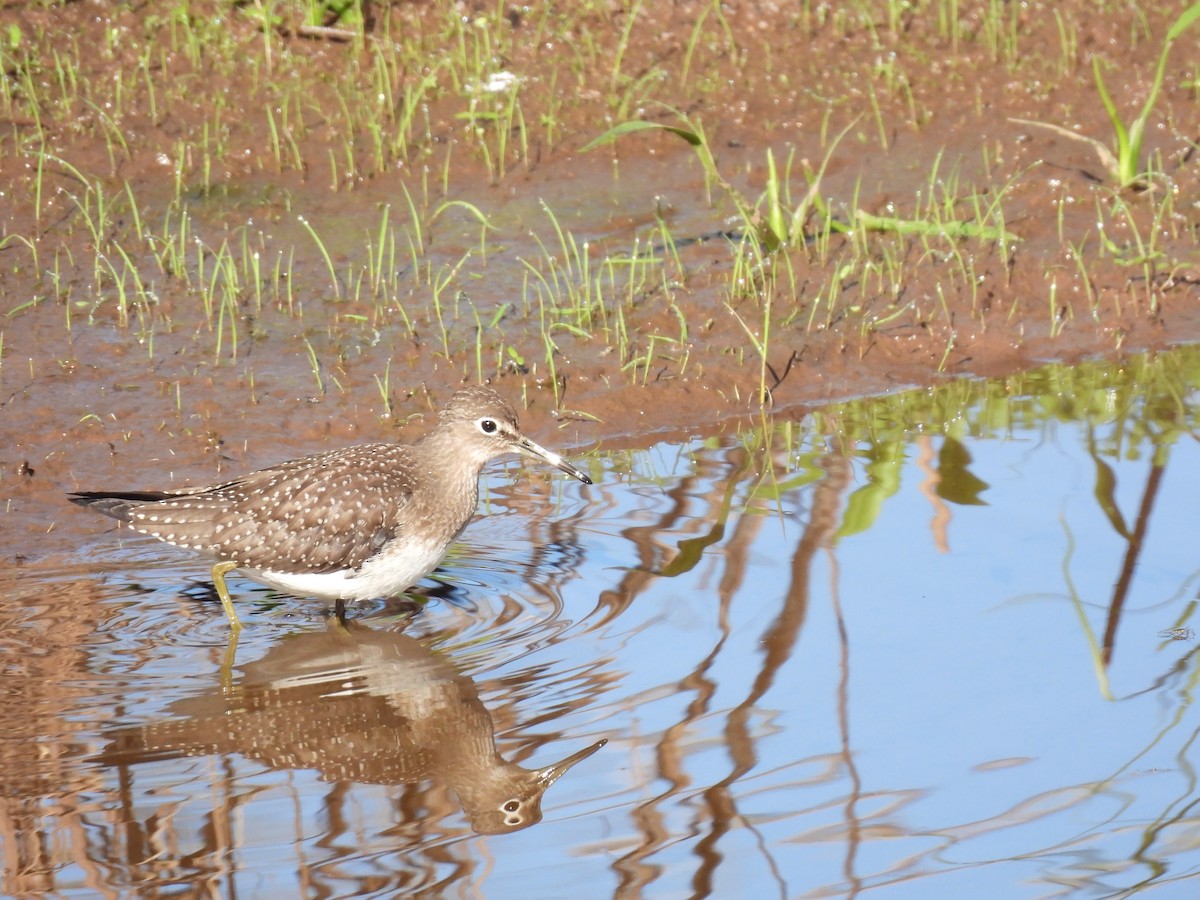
(488, 426)
(512, 806)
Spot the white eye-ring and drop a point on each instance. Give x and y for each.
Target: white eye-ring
(488, 426)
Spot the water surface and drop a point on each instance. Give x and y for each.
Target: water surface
(933, 644)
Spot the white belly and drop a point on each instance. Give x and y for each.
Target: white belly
(383, 575)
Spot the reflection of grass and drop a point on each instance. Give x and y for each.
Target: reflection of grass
(1134, 408)
(1094, 649)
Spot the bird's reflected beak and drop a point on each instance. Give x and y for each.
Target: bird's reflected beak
(553, 772)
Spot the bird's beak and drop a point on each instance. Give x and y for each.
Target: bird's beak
(553, 772)
(537, 451)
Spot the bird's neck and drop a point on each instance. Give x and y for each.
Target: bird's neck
(452, 471)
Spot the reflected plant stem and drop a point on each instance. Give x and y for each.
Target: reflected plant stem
(940, 526)
(652, 563)
(1179, 812)
(853, 825)
(836, 481)
(720, 797)
(1076, 602)
(1132, 552)
(779, 643)
(635, 873)
(1175, 816)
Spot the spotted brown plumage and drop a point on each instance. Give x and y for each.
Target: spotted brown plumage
(325, 512)
(375, 707)
(357, 523)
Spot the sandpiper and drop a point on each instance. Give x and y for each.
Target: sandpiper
(359, 523)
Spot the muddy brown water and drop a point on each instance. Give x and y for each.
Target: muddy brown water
(788, 707)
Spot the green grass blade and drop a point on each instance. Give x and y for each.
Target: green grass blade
(953, 228)
(1185, 20)
(1115, 117)
(636, 125)
(1137, 130)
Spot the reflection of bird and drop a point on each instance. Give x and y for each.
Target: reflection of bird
(353, 524)
(355, 704)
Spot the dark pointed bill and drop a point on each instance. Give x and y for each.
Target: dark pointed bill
(537, 451)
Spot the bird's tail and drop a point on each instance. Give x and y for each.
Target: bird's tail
(116, 504)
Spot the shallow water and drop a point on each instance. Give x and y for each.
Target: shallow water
(945, 653)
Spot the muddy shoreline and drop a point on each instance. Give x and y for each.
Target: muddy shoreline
(177, 308)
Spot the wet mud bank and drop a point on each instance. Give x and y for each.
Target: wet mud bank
(225, 244)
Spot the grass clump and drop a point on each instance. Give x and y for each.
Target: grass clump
(1123, 160)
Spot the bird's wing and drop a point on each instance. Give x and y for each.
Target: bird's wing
(324, 512)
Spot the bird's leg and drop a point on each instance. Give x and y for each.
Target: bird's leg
(219, 571)
(227, 663)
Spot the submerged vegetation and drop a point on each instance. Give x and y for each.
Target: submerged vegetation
(350, 180)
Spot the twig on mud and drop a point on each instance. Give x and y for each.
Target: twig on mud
(325, 32)
(1107, 158)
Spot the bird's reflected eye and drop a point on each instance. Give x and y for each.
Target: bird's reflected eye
(512, 806)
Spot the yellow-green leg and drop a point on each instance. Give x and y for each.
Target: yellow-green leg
(227, 663)
(219, 571)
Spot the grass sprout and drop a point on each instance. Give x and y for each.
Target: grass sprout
(1124, 161)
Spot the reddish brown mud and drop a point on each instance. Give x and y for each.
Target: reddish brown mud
(163, 392)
